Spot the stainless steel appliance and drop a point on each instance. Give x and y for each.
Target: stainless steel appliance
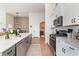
(52, 43)
(61, 32)
(69, 34)
(58, 21)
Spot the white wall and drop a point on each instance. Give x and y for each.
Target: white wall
(9, 20)
(34, 21)
(2, 19)
(52, 11)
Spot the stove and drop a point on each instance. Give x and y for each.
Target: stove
(52, 42)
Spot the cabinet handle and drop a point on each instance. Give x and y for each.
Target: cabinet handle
(72, 21)
(63, 50)
(19, 43)
(71, 48)
(9, 52)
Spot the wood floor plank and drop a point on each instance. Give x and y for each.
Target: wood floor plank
(45, 50)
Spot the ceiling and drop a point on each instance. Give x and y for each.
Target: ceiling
(23, 8)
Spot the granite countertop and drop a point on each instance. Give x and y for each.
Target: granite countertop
(73, 42)
(7, 43)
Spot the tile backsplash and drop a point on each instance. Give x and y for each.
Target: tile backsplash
(75, 28)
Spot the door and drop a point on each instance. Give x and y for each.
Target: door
(42, 29)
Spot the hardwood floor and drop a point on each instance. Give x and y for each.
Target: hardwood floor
(45, 50)
(35, 40)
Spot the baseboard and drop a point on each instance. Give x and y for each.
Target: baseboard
(52, 50)
(35, 37)
(46, 42)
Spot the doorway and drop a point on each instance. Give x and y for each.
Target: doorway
(42, 29)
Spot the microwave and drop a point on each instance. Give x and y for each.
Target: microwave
(58, 21)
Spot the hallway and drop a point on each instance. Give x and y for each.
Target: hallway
(39, 48)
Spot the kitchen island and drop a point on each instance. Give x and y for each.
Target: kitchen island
(8, 47)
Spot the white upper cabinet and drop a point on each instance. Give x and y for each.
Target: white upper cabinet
(68, 14)
(76, 13)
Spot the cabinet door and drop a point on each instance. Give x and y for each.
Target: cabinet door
(73, 50)
(24, 46)
(58, 47)
(76, 13)
(20, 49)
(69, 50)
(9, 52)
(65, 49)
(69, 13)
(62, 48)
(58, 51)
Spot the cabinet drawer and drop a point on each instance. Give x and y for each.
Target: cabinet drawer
(70, 50)
(73, 50)
(9, 52)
